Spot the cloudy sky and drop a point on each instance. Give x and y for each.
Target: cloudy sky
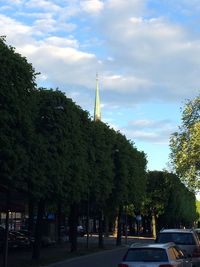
(147, 54)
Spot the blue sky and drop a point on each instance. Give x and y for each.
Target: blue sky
(147, 54)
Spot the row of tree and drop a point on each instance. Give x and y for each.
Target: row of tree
(168, 201)
(58, 158)
(56, 155)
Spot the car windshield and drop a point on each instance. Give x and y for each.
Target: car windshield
(146, 255)
(178, 238)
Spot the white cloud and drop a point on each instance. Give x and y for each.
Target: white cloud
(13, 28)
(92, 6)
(124, 83)
(140, 56)
(163, 55)
(154, 131)
(145, 123)
(131, 6)
(15, 2)
(62, 42)
(43, 4)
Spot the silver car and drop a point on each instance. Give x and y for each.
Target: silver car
(186, 239)
(155, 255)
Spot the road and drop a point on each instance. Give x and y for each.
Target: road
(109, 258)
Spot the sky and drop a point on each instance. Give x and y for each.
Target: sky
(146, 53)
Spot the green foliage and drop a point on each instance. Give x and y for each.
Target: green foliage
(101, 162)
(157, 193)
(17, 82)
(185, 146)
(198, 208)
(59, 149)
(129, 175)
(53, 151)
(170, 200)
(181, 208)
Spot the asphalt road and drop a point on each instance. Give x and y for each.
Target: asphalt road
(109, 258)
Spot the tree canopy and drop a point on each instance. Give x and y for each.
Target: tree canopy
(185, 145)
(53, 151)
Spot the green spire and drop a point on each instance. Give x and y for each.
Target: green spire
(97, 110)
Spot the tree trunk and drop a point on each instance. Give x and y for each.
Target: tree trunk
(94, 225)
(115, 227)
(154, 225)
(5, 248)
(106, 220)
(59, 222)
(73, 223)
(119, 228)
(38, 230)
(87, 223)
(31, 216)
(101, 244)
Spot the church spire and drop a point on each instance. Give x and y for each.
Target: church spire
(97, 110)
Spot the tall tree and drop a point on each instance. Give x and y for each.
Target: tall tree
(101, 164)
(17, 82)
(60, 154)
(185, 145)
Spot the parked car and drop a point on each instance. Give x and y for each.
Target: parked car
(45, 240)
(186, 239)
(81, 230)
(155, 255)
(28, 235)
(17, 239)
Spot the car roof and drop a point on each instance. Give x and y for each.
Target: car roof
(152, 245)
(177, 231)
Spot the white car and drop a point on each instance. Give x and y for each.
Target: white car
(155, 255)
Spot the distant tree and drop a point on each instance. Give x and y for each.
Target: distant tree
(185, 146)
(180, 209)
(157, 195)
(129, 179)
(168, 201)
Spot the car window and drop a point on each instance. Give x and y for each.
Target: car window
(178, 253)
(146, 255)
(178, 238)
(171, 253)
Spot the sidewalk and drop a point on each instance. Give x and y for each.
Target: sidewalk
(56, 253)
